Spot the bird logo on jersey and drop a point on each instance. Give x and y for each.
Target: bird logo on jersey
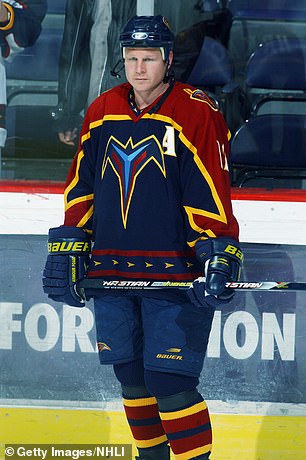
(103, 346)
(127, 162)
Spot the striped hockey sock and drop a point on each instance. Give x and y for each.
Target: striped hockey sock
(187, 426)
(144, 421)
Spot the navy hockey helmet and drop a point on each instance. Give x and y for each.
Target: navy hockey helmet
(148, 32)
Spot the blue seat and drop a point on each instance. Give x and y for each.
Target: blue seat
(258, 22)
(278, 64)
(276, 77)
(56, 6)
(270, 148)
(213, 72)
(210, 5)
(213, 67)
(268, 9)
(38, 62)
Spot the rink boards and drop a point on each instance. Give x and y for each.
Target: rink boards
(53, 391)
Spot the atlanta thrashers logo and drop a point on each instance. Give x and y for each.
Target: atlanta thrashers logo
(102, 346)
(201, 96)
(127, 162)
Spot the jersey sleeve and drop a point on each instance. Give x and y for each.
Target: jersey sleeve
(206, 190)
(79, 187)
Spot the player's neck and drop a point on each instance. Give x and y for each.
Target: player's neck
(145, 98)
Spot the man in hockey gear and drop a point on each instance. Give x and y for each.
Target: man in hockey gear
(67, 262)
(222, 260)
(150, 186)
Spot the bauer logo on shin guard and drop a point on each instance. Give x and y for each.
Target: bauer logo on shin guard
(68, 247)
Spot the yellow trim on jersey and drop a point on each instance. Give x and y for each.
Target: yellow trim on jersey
(73, 183)
(190, 211)
(68, 205)
(96, 123)
(139, 402)
(85, 137)
(79, 200)
(86, 217)
(206, 234)
(183, 412)
(74, 180)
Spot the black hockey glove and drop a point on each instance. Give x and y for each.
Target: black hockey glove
(69, 250)
(222, 259)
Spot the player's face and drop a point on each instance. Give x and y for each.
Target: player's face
(144, 68)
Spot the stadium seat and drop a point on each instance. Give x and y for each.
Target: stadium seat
(38, 62)
(275, 79)
(270, 151)
(56, 6)
(255, 23)
(210, 5)
(213, 67)
(268, 9)
(213, 72)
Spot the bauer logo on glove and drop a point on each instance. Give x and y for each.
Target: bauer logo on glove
(68, 246)
(222, 260)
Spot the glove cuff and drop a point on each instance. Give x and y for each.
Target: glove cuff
(205, 249)
(65, 231)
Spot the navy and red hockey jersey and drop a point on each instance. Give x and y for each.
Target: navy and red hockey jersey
(149, 184)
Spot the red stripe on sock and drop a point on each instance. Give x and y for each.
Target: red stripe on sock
(180, 446)
(141, 433)
(138, 413)
(187, 423)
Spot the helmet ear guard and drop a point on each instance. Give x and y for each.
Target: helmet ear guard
(147, 32)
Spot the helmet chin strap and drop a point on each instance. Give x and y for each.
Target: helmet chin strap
(167, 76)
(115, 72)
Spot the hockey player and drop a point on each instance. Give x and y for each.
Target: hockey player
(149, 186)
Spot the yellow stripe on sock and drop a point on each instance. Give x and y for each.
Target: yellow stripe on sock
(150, 442)
(194, 453)
(183, 412)
(139, 402)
